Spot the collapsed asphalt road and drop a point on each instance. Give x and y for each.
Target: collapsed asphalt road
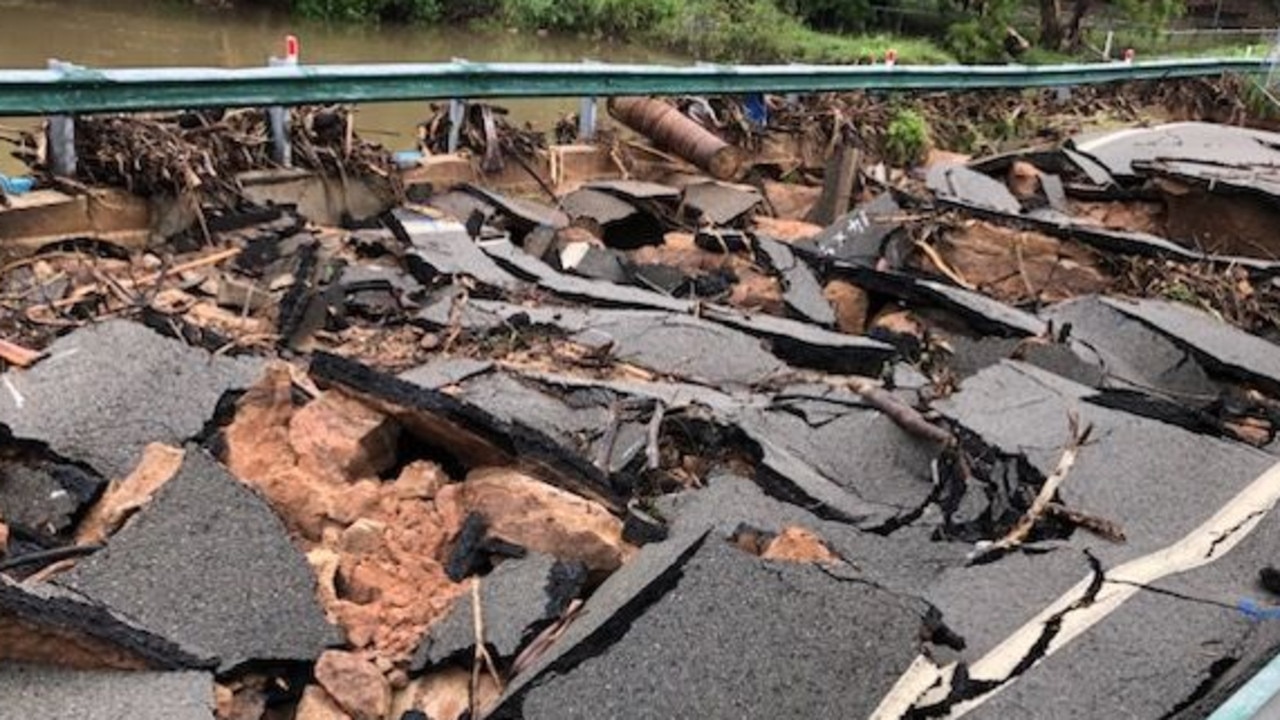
(983, 447)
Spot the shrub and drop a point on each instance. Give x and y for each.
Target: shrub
(907, 138)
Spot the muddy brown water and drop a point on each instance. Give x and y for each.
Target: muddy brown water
(136, 33)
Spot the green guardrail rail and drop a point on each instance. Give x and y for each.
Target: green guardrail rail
(73, 89)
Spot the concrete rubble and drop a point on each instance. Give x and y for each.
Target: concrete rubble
(998, 442)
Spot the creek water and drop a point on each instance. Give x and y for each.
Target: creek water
(137, 33)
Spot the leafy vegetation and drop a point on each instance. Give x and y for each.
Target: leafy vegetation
(907, 137)
(973, 31)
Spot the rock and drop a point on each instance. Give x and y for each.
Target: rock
(850, 303)
(535, 515)
(159, 464)
(444, 694)
(317, 704)
(788, 231)
(1024, 179)
(760, 293)
(362, 537)
(342, 438)
(243, 699)
(789, 201)
(355, 684)
(797, 544)
(420, 479)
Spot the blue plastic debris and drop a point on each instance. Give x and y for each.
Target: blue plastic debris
(407, 158)
(1252, 610)
(16, 185)
(756, 110)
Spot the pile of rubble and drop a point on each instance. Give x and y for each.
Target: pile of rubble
(996, 438)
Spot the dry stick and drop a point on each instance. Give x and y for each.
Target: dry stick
(943, 266)
(482, 658)
(1022, 529)
(84, 291)
(1102, 527)
(906, 417)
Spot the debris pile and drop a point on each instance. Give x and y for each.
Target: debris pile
(982, 436)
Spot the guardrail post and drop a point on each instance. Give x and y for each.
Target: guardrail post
(278, 116)
(457, 115)
(60, 134)
(588, 112)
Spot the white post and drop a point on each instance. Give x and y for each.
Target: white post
(61, 136)
(278, 116)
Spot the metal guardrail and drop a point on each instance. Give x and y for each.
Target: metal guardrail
(67, 89)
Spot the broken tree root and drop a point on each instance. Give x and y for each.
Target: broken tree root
(1021, 530)
(482, 657)
(1102, 527)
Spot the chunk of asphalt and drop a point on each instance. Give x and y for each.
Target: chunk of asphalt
(1132, 353)
(671, 344)
(720, 203)
(796, 342)
(801, 291)
(858, 236)
(737, 636)
(518, 598)
(908, 561)
(597, 205)
(512, 400)
(1156, 480)
(593, 261)
(526, 214)
(861, 451)
(33, 500)
(986, 603)
(970, 187)
(108, 390)
(1153, 657)
(623, 596)
(1232, 582)
(47, 624)
(439, 247)
(209, 565)
(1224, 348)
(636, 189)
(473, 435)
(32, 691)
(1209, 143)
(986, 315)
(968, 356)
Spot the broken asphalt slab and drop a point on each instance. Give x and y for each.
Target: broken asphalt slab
(46, 624)
(796, 342)
(1224, 348)
(801, 291)
(702, 647)
(1134, 354)
(1158, 481)
(579, 419)
(1194, 645)
(437, 247)
(32, 691)
(474, 436)
(676, 345)
(518, 598)
(858, 236)
(209, 565)
(1123, 151)
(106, 391)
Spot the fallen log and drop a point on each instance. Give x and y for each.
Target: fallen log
(672, 131)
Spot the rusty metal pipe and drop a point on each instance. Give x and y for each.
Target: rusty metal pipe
(672, 131)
